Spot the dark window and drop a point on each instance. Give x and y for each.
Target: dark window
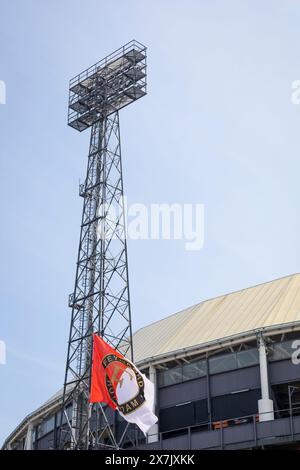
(184, 415)
(235, 405)
(201, 411)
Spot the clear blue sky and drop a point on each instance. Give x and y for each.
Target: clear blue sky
(217, 127)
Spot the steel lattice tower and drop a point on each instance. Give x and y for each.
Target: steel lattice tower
(100, 302)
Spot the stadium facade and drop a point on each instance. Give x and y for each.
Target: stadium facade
(226, 372)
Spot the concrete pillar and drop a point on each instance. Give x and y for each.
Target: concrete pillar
(153, 432)
(29, 438)
(265, 404)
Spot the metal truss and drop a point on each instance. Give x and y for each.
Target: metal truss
(100, 301)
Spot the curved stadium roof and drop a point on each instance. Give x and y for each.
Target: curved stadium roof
(272, 306)
(223, 319)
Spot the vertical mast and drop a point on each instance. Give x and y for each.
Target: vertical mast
(100, 302)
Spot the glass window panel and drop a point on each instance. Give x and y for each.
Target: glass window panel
(222, 363)
(40, 430)
(45, 427)
(247, 358)
(194, 370)
(282, 350)
(49, 425)
(69, 412)
(64, 420)
(170, 377)
(188, 371)
(160, 379)
(218, 364)
(58, 418)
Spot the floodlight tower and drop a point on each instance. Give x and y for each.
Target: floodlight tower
(100, 301)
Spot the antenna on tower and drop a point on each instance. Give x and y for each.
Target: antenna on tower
(100, 302)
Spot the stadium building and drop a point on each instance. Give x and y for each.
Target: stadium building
(226, 372)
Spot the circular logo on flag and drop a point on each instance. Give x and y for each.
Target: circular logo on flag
(124, 383)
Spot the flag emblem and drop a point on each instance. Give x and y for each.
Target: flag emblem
(117, 382)
(113, 382)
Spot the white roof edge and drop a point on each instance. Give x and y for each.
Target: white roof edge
(211, 345)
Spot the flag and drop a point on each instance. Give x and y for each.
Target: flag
(117, 382)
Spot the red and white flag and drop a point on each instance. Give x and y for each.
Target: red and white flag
(118, 383)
